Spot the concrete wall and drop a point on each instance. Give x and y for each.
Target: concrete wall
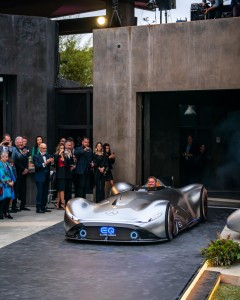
(199, 55)
(28, 54)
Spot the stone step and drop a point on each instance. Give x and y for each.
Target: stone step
(205, 287)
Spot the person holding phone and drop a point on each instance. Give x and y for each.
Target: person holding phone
(60, 163)
(42, 162)
(6, 144)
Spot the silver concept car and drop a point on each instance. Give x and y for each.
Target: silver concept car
(133, 214)
(233, 221)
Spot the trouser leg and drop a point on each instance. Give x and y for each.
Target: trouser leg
(6, 205)
(45, 194)
(39, 195)
(23, 191)
(1, 207)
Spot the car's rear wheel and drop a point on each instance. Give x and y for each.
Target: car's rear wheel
(203, 204)
(169, 222)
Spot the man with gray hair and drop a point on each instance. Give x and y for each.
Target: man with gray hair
(20, 158)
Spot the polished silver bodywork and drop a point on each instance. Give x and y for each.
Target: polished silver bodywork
(133, 214)
(233, 221)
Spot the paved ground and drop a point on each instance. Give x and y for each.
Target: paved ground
(43, 265)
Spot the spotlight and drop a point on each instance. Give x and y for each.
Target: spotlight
(101, 21)
(151, 4)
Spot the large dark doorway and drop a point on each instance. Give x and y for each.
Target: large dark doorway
(215, 124)
(74, 114)
(160, 136)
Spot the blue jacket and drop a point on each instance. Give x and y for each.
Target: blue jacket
(42, 172)
(6, 174)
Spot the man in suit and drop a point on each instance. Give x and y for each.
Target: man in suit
(42, 162)
(20, 159)
(188, 158)
(84, 157)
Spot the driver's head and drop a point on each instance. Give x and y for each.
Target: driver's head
(152, 181)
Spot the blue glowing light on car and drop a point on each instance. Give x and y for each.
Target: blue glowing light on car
(82, 233)
(107, 231)
(134, 235)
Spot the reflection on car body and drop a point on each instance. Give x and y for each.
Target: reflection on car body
(133, 214)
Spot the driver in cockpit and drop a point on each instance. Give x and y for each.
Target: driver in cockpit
(152, 182)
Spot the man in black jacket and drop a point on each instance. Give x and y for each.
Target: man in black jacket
(20, 158)
(84, 157)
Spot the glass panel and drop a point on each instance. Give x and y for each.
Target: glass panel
(75, 134)
(205, 115)
(72, 109)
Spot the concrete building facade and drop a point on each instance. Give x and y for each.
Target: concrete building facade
(28, 67)
(144, 79)
(179, 63)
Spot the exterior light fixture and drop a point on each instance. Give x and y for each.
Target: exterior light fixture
(190, 110)
(101, 21)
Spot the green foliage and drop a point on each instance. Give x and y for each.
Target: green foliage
(76, 63)
(222, 252)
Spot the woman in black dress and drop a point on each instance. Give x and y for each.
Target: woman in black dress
(111, 161)
(100, 163)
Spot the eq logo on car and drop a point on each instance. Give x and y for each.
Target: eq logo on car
(107, 231)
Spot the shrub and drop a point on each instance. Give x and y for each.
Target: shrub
(222, 252)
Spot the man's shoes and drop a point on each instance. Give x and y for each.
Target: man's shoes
(13, 211)
(47, 210)
(25, 208)
(39, 211)
(8, 216)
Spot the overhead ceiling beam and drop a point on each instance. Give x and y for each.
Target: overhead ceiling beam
(78, 26)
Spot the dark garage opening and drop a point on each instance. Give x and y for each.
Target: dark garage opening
(165, 130)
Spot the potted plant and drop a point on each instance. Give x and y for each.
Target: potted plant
(222, 252)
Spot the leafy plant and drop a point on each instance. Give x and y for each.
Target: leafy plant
(76, 63)
(222, 252)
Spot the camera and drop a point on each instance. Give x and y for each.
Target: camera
(5, 143)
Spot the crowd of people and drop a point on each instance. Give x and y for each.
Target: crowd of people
(75, 166)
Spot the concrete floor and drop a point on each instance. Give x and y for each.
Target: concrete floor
(26, 223)
(36, 262)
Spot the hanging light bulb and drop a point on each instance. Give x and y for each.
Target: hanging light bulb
(190, 110)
